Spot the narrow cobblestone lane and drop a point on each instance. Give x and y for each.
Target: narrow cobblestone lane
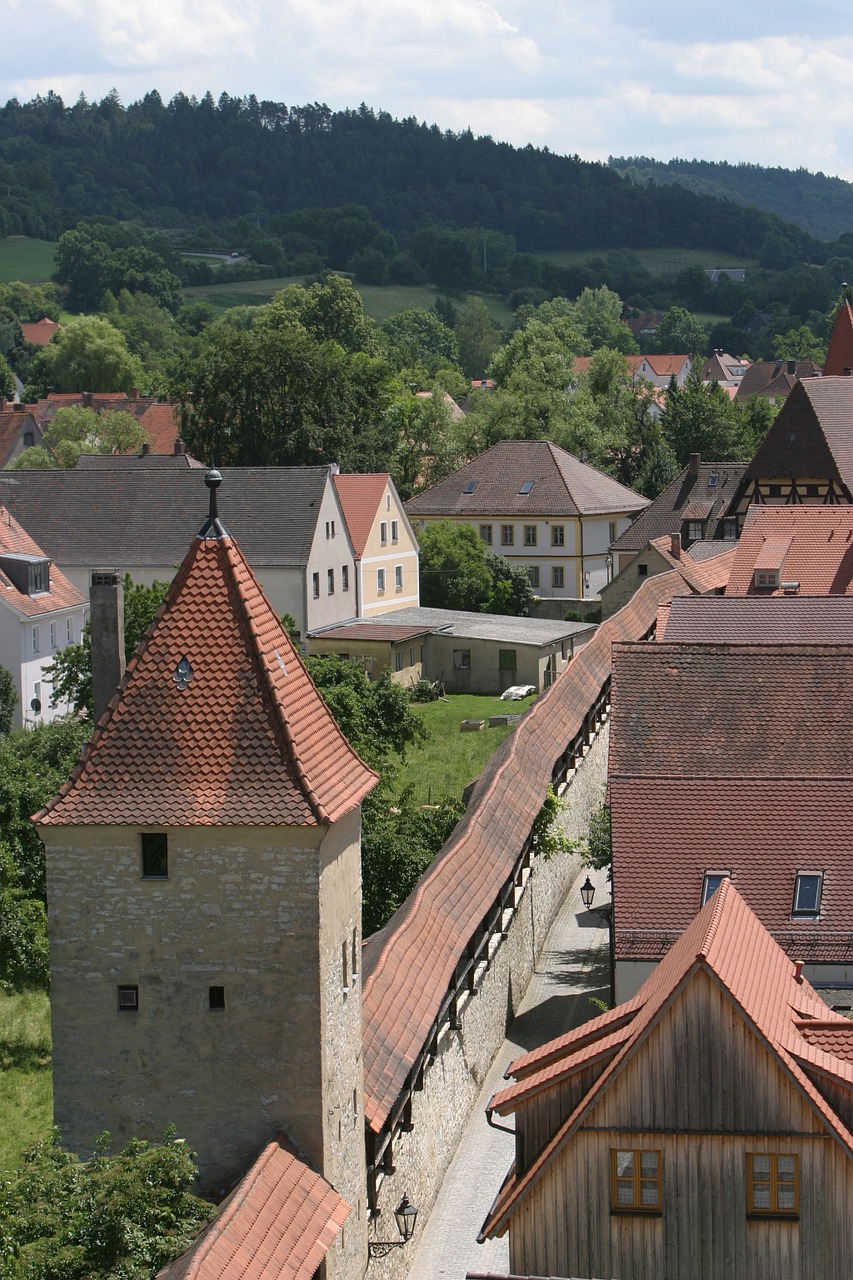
(574, 965)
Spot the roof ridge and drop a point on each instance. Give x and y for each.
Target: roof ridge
(719, 901)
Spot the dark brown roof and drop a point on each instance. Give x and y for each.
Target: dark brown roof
(810, 546)
(409, 963)
(800, 620)
(666, 513)
(138, 516)
(13, 423)
(136, 461)
(774, 378)
(243, 739)
(811, 436)
(728, 941)
(839, 357)
(561, 485)
(750, 711)
(277, 1224)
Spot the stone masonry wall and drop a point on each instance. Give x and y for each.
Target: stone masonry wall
(452, 1082)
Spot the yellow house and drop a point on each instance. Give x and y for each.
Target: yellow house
(384, 543)
(542, 508)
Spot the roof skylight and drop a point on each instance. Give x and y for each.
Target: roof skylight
(526, 487)
(470, 486)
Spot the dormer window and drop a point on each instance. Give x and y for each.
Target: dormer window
(694, 530)
(807, 891)
(712, 882)
(713, 480)
(28, 573)
(766, 579)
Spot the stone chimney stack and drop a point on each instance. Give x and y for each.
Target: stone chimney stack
(693, 465)
(675, 546)
(106, 597)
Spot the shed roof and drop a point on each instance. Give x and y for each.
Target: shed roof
(241, 738)
(810, 546)
(472, 626)
(277, 1224)
(561, 485)
(409, 963)
(726, 940)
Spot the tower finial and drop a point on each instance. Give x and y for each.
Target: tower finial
(213, 526)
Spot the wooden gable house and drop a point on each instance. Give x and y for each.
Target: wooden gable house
(701, 1129)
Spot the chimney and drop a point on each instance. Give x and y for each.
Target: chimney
(87, 400)
(179, 447)
(675, 546)
(145, 450)
(792, 366)
(18, 407)
(134, 393)
(106, 596)
(798, 970)
(693, 465)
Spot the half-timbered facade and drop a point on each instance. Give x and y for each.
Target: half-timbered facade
(700, 1129)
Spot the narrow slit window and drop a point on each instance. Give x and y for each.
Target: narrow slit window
(216, 997)
(155, 855)
(711, 883)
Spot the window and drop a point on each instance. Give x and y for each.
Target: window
(773, 1185)
(328, 530)
(533, 574)
(461, 659)
(470, 486)
(315, 585)
(635, 1181)
(642, 570)
(29, 439)
(216, 997)
(558, 535)
(506, 659)
(387, 502)
(69, 631)
(711, 883)
(155, 855)
(486, 534)
(558, 576)
(380, 579)
(53, 635)
(694, 530)
(613, 530)
(729, 529)
(774, 491)
(128, 999)
(395, 531)
(383, 533)
(766, 579)
(398, 660)
(411, 655)
(811, 490)
(526, 487)
(423, 651)
(36, 640)
(530, 535)
(398, 577)
(807, 893)
(39, 578)
(35, 705)
(330, 582)
(507, 535)
(344, 577)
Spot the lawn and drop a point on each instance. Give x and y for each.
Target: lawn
(660, 262)
(26, 1093)
(24, 259)
(449, 760)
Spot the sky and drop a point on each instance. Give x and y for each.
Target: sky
(771, 84)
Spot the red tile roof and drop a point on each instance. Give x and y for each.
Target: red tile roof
(818, 556)
(39, 332)
(161, 421)
(727, 941)
(756, 619)
(409, 964)
(360, 496)
(701, 575)
(839, 357)
(247, 741)
(561, 485)
(277, 1224)
(62, 595)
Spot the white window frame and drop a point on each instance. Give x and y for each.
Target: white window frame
(383, 533)
(398, 577)
(380, 581)
(711, 882)
(36, 640)
(395, 532)
(807, 912)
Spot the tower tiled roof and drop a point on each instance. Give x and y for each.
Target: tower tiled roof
(277, 1224)
(727, 941)
(839, 357)
(360, 496)
(560, 485)
(811, 437)
(217, 721)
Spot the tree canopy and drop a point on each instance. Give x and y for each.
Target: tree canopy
(89, 354)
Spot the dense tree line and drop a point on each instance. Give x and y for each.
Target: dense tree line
(190, 162)
(820, 205)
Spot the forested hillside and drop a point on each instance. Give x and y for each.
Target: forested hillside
(820, 205)
(190, 162)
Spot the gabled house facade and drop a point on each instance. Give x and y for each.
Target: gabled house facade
(40, 613)
(384, 544)
(542, 508)
(18, 431)
(701, 1128)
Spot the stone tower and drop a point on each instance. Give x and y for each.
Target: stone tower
(203, 867)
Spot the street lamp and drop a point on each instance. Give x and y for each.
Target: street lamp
(405, 1215)
(587, 893)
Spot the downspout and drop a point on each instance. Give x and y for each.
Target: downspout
(582, 582)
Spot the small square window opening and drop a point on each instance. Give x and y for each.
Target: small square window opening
(128, 999)
(155, 855)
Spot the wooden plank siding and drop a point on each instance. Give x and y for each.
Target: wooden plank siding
(704, 1091)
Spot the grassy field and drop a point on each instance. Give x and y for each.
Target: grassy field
(443, 766)
(660, 262)
(26, 1096)
(24, 259)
